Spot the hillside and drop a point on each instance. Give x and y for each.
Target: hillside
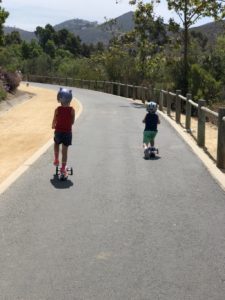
(89, 32)
(211, 30)
(92, 32)
(25, 35)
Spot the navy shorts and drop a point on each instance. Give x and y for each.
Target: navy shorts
(64, 138)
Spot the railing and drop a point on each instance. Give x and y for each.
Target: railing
(166, 100)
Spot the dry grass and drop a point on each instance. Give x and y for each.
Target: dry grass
(26, 127)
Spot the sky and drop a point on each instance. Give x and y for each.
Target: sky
(28, 14)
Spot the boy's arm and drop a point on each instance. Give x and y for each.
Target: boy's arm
(54, 119)
(144, 119)
(73, 115)
(158, 120)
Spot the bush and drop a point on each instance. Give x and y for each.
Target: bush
(203, 85)
(3, 93)
(11, 80)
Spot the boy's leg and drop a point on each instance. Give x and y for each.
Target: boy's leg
(152, 139)
(57, 140)
(145, 140)
(56, 153)
(64, 156)
(67, 140)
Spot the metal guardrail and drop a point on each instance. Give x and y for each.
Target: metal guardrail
(165, 99)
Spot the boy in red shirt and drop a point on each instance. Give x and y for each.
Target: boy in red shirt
(63, 120)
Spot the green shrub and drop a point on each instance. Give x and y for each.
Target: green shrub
(3, 93)
(203, 85)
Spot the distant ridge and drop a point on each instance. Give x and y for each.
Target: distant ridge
(92, 32)
(25, 35)
(211, 30)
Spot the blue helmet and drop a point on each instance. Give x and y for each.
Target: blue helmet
(64, 96)
(151, 107)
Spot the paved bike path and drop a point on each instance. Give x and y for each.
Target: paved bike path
(121, 227)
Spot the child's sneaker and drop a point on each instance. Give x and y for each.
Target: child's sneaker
(56, 162)
(64, 172)
(146, 154)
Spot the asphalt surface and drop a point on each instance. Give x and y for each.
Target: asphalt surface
(121, 227)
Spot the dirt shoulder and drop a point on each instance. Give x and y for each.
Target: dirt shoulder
(25, 126)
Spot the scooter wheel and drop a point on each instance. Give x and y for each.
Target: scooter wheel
(56, 170)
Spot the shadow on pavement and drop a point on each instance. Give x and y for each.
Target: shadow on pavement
(138, 105)
(152, 158)
(125, 106)
(59, 184)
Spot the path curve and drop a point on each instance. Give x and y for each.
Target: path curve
(121, 227)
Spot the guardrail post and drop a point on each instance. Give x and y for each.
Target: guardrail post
(138, 93)
(221, 139)
(161, 100)
(201, 124)
(143, 94)
(178, 106)
(134, 94)
(168, 103)
(105, 87)
(126, 90)
(188, 113)
(118, 89)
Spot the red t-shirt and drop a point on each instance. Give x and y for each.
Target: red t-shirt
(64, 118)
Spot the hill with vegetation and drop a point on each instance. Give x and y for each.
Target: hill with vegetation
(211, 30)
(92, 32)
(89, 32)
(24, 34)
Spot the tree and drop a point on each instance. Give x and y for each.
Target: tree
(13, 38)
(150, 35)
(3, 16)
(44, 34)
(189, 12)
(50, 48)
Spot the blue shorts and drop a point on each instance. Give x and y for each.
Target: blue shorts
(64, 138)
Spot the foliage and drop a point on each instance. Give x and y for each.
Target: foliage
(202, 84)
(119, 65)
(3, 16)
(10, 57)
(215, 61)
(78, 68)
(40, 65)
(3, 93)
(12, 38)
